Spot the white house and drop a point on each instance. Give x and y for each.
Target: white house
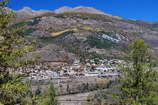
(92, 74)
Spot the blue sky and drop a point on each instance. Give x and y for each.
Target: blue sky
(132, 9)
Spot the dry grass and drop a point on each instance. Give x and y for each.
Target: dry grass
(55, 34)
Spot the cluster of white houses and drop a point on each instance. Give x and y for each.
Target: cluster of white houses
(104, 68)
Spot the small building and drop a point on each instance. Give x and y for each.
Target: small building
(92, 74)
(102, 69)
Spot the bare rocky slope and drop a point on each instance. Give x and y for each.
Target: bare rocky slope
(60, 33)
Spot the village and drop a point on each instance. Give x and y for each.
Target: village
(102, 69)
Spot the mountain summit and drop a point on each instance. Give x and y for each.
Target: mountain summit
(80, 9)
(63, 9)
(29, 12)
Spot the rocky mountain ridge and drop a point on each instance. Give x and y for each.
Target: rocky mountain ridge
(80, 9)
(29, 12)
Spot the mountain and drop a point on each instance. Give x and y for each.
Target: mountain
(63, 9)
(27, 12)
(80, 9)
(80, 29)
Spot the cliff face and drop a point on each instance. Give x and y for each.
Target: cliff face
(68, 29)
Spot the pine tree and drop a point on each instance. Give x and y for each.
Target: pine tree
(138, 84)
(12, 47)
(48, 97)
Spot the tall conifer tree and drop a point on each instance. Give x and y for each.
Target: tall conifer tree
(12, 47)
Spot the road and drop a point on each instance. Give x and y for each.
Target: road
(74, 99)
